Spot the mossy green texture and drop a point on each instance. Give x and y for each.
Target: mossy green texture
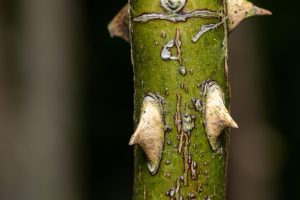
(203, 60)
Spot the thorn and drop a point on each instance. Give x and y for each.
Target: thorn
(216, 115)
(149, 133)
(238, 10)
(119, 26)
(261, 11)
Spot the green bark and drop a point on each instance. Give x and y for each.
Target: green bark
(203, 60)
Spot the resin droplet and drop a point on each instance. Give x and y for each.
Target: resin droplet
(171, 193)
(182, 70)
(192, 196)
(216, 115)
(149, 133)
(172, 5)
(238, 10)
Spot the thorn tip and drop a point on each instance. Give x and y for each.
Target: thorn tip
(261, 11)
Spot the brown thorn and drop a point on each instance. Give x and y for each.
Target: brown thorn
(119, 26)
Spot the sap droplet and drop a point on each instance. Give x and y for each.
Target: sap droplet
(167, 91)
(168, 174)
(193, 117)
(194, 164)
(193, 170)
(169, 142)
(171, 193)
(182, 178)
(192, 196)
(189, 158)
(182, 70)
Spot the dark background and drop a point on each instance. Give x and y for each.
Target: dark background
(66, 92)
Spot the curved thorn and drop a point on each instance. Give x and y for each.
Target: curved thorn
(216, 115)
(119, 26)
(238, 10)
(149, 133)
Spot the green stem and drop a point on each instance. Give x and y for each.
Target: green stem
(197, 172)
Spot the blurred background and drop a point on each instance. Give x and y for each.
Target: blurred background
(64, 83)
